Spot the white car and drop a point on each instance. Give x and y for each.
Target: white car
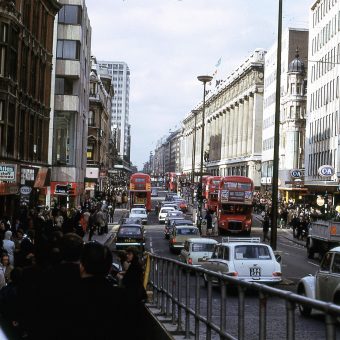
(325, 285)
(197, 250)
(140, 213)
(163, 213)
(246, 259)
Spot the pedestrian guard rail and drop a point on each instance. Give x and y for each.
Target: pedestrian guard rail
(167, 276)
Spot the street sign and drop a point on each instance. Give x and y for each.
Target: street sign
(25, 190)
(7, 172)
(326, 171)
(296, 173)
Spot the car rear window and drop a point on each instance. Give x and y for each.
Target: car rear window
(187, 231)
(202, 247)
(252, 252)
(138, 211)
(127, 231)
(164, 210)
(183, 222)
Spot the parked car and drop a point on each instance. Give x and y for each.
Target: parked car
(139, 213)
(163, 212)
(246, 259)
(197, 250)
(130, 235)
(180, 234)
(325, 285)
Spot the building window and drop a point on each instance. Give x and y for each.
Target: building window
(90, 151)
(2, 126)
(70, 14)
(68, 49)
(3, 48)
(11, 129)
(63, 135)
(22, 135)
(63, 86)
(91, 120)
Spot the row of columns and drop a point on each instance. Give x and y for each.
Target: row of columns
(236, 126)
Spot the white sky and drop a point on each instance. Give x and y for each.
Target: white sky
(168, 43)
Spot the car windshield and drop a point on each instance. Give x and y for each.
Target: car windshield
(138, 211)
(129, 231)
(202, 247)
(165, 210)
(187, 231)
(183, 222)
(252, 252)
(174, 213)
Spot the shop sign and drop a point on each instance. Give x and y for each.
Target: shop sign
(8, 172)
(296, 173)
(326, 171)
(25, 190)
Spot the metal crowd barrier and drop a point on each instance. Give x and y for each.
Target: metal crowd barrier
(166, 277)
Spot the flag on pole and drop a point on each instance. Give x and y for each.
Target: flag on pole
(218, 62)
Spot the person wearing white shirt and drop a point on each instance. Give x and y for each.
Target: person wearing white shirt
(9, 246)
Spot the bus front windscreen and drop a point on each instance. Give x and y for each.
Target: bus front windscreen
(238, 209)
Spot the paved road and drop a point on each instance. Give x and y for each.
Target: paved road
(294, 266)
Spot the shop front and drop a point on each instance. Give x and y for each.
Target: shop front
(9, 189)
(65, 194)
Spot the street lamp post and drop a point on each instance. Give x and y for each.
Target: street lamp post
(204, 79)
(195, 112)
(275, 191)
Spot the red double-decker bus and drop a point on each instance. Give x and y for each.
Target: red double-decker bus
(140, 190)
(171, 181)
(235, 205)
(211, 192)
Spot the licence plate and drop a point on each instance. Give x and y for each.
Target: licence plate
(255, 272)
(130, 240)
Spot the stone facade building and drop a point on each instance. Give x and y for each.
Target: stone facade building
(293, 109)
(233, 125)
(71, 100)
(99, 156)
(26, 40)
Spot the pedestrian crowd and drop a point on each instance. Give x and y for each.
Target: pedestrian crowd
(53, 285)
(291, 214)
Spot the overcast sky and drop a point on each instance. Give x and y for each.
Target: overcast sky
(168, 43)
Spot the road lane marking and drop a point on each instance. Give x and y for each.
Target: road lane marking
(314, 264)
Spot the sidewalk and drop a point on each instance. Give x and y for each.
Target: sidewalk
(287, 233)
(105, 238)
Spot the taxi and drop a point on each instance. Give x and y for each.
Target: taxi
(197, 250)
(130, 235)
(245, 259)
